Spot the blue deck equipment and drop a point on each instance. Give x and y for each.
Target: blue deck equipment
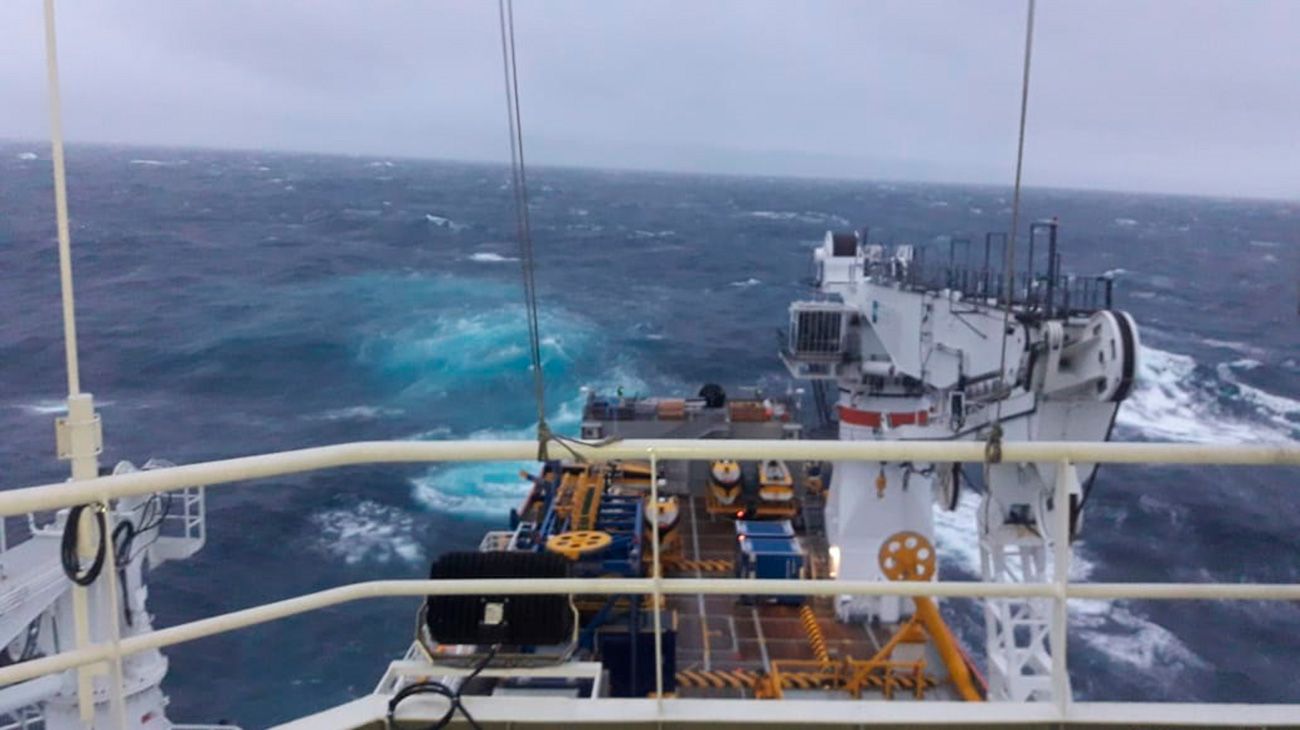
(775, 529)
(769, 551)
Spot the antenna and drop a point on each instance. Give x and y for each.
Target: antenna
(1009, 262)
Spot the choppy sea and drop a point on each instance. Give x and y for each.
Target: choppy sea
(233, 303)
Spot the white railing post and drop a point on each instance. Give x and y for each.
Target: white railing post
(109, 593)
(657, 576)
(1065, 478)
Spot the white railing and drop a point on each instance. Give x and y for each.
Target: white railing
(53, 496)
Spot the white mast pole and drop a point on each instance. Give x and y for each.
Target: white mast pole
(61, 203)
(78, 436)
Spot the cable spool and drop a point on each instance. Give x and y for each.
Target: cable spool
(907, 555)
(574, 545)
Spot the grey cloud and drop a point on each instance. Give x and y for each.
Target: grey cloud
(1168, 96)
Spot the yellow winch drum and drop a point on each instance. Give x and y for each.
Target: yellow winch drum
(574, 545)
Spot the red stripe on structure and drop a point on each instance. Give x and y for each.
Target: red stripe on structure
(913, 418)
(874, 419)
(870, 419)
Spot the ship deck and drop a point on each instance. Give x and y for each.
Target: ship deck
(724, 644)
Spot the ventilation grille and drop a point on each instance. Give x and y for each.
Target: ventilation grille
(817, 330)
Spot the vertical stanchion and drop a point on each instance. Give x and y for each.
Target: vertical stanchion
(657, 574)
(1061, 577)
(109, 592)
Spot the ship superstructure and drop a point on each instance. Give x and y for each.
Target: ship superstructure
(957, 350)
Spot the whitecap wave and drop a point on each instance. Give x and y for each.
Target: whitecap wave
(368, 532)
(1245, 363)
(448, 352)
(804, 217)
(445, 222)
(957, 535)
(358, 413)
(44, 407)
(751, 281)
(482, 490)
(159, 163)
(647, 330)
(1176, 401)
(1113, 629)
(1235, 346)
(26, 155)
(1114, 273)
(1282, 412)
(1266, 244)
(52, 406)
(492, 489)
(487, 257)
(1125, 222)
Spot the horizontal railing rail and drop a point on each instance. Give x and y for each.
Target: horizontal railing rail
(247, 469)
(67, 494)
(277, 610)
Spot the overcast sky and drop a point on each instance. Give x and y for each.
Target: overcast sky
(1199, 97)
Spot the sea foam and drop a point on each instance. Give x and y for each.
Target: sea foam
(1174, 400)
(368, 532)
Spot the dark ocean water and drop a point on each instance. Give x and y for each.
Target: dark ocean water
(235, 303)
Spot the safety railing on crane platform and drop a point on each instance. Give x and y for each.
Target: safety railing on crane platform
(1060, 590)
(1036, 284)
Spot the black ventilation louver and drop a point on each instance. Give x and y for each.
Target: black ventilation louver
(522, 620)
(844, 244)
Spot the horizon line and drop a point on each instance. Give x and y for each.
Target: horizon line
(44, 143)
